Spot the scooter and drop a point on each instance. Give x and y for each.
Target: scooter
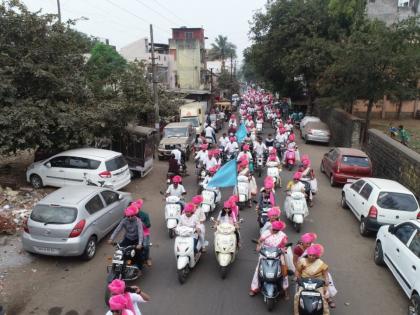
(290, 158)
(172, 214)
(211, 199)
(270, 275)
(259, 164)
(263, 214)
(225, 246)
(273, 171)
(310, 299)
(243, 191)
(187, 251)
(259, 127)
(298, 210)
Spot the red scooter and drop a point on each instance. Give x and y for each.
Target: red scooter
(290, 158)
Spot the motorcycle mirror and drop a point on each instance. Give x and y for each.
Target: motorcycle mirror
(241, 220)
(212, 219)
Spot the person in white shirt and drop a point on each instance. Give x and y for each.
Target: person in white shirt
(210, 161)
(259, 147)
(210, 134)
(223, 140)
(178, 155)
(232, 146)
(190, 219)
(201, 155)
(177, 189)
(246, 153)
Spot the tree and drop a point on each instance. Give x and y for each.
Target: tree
(222, 49)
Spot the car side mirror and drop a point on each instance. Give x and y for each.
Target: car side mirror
(48, 164)
(120, 197)
(391, 229)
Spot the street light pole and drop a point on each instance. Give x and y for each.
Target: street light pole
(155, 87)
(59, 11)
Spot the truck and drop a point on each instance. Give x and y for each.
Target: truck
(195, 113)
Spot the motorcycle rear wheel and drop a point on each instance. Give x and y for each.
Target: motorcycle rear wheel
(182, 275)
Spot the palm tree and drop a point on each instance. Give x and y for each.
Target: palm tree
(221, 49)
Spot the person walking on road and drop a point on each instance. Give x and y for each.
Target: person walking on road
(404, 136)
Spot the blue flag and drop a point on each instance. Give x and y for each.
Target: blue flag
(241, 133)
(225, 176)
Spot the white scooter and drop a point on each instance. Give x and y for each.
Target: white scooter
(259, 127)
(172, 214)
(298, 210)
(186, 255)
(211, 199)
(273, 171)
(225, 246)
(243, 190)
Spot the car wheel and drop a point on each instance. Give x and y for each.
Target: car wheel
(90, 249)
(322, 169)
(378, 256)
(344, 201)
(306, 140)
(363, 228)
(414, 306)
(36, 181)
(332, 181)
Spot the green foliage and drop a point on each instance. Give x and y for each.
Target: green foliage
(221, 49)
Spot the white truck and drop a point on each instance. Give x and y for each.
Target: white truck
(194, 113)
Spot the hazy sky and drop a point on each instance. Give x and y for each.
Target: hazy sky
(123, 21)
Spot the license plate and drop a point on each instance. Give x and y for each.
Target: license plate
(46, 250)
(311, 293)
(118, 262)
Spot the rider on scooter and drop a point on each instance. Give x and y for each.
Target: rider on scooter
(176, 189)
(293, 186)
(197, 200)
(273, 215)
(189, 219)
(266, 196)
(226, 215)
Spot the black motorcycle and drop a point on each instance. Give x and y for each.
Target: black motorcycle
(270, 275)
(310, 299)
(122, 267)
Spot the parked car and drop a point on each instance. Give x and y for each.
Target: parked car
(180, 133)
(307, 119)
(376, 202)
(398, 246)
(343, 165)
(72, 220)
(87, 166)
(316, 131)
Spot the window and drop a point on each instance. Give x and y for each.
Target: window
(397, 201)
(94, 205)
(188, 35)
(333, 155)
(116, 163)
(53, 215)
(59, 161)
(415, 244)
(366, 191)
(357, 185)
(355, 161)
(403, 232)
(82, 163)
(110, 196)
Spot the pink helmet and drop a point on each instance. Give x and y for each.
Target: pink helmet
(213, 169)
(268, 182)
(234, 199)
(204, 146)
(189, 208)
(131, 211)
(232, 116)
(117, 286)
(272, 157)
(282, 130)
(197, 199)
(177, 179)
(297, 176)
(138, 203)
(316, 250)
(308, 238)
(273, 151)
(246, 147)
(292, 137)
(232, 139)
(274, 212)
(304, 157)
(306, 162)
(249, 117)
(117, 302)
(227, 204)
(278, 225)
(210, 153)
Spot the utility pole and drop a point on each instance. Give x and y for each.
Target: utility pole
(155, 87)
(211, 88)
(59, 11)
(231, 74)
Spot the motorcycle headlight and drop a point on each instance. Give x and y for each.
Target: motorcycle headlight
(133, 253)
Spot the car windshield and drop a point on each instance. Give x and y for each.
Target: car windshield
(176, 132)
(355, 161)
(397, 201)
(115, 164)
(193, 120)
(53, 214)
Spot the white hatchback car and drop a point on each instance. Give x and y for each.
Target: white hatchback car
(376, 202)
(86, 166)
(398, 246)
(307, 119)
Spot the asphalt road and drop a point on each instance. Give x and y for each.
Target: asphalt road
(68, 286)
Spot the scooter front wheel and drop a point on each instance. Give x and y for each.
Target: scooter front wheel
(182, 275)
(171, 233)
(270, 304)
(297, 227)
(223, 272)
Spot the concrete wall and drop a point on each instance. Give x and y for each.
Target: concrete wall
(345, 128)
(387, 109)
(394, 161)
(391, 11)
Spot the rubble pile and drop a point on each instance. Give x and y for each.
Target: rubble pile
(15, 206)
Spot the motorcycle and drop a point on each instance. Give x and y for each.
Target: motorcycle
(290, 159)
(122, 267)
(270, 275)
(259, 164)
(298, 210)
(243, 190)
(310, 299)
(172, 214)
(225, 246)
(187, 251)
(211, 199)
(273, 171)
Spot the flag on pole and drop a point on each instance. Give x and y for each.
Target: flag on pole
(225, 176)
(241, 133)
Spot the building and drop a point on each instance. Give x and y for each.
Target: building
(187, 47)
(216, 65)
(165, 64)
(392, 11)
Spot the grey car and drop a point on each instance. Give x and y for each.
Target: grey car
(316, 131)
(72, 220)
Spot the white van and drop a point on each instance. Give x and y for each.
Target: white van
(86, 166)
